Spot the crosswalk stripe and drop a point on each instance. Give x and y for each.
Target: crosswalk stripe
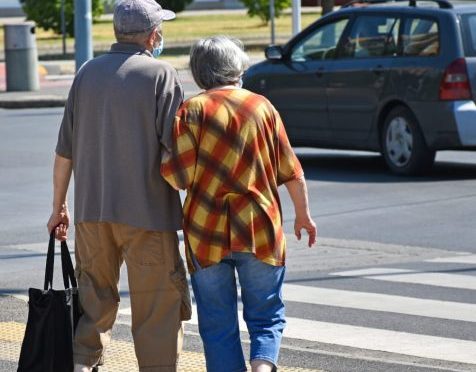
(380, 302)
(383, 340)
(414, 277)
(466, 259)
(375, 302)
(423, 346)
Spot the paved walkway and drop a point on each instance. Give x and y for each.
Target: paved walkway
(120, 356)
(56, 78)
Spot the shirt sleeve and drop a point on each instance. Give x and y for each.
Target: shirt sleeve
(167, 105)
(178, 164)
(288, 165)
(64, 146)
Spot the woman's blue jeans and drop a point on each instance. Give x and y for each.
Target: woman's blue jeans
(263, 310)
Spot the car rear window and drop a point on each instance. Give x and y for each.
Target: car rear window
(469, 34)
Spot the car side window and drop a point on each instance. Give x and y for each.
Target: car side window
(469, 34)
(420, 37)
(320, 44)
(472, 30)
(372, 36)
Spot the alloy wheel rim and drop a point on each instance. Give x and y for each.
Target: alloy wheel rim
(399, 141)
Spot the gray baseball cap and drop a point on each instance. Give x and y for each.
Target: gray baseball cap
(137, 16)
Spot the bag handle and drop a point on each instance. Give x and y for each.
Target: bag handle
(66, 265)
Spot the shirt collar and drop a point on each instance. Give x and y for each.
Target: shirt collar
(129, 49)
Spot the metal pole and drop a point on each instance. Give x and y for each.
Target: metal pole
(63, 27)
(271, 17)
(296, 16)
(83, 32)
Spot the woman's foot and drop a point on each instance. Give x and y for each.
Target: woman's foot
(82, 368)
(262, 366)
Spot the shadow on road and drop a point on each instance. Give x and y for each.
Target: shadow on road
(355, 168)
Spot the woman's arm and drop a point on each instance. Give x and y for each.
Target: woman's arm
(298, 191)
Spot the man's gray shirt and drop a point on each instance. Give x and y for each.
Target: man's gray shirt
(117, 121)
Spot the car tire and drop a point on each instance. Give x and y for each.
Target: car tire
(403, 145)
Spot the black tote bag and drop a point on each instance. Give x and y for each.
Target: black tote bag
(52, 318)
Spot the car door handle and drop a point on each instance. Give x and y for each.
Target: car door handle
(378, 70)
(320, 72)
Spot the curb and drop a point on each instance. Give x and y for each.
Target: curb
(33, 102)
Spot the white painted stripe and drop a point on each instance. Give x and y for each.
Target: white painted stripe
(20, 297)
(375, 302)
(467, 259)
(386, 358)
(375, 339)
(383, 340)
(414, 277)
(380, 302)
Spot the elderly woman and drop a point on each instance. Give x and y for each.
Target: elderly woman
(230, 152)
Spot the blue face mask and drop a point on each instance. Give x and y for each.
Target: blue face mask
(157, 51)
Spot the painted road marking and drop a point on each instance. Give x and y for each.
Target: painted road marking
(466, 259)
(380, 302)
(375, 302)
(423, 346)
(414, 277)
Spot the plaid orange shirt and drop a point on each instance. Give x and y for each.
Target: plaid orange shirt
(230, 152)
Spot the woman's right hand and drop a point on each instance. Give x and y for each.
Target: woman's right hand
(305, 222)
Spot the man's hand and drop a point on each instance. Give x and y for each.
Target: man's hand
(59, 221)
(305, 222)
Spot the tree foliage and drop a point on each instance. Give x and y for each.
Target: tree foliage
(260, 8)
(47, 13)
(175, 5)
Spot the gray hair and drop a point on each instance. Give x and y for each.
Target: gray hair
(216, 61)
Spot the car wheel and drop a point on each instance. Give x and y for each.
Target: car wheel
(403, 144)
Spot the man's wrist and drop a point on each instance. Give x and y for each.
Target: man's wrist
(58, 207)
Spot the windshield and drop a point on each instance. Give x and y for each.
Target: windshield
(469, 34)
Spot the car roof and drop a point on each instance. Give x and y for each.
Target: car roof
(400, 6)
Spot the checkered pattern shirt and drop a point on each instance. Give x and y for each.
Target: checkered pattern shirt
(230, 152)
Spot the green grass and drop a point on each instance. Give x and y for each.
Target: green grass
(186, 29)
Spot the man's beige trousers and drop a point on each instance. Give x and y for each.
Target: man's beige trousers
(158, 292)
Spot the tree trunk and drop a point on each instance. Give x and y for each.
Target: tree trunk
(327, 6)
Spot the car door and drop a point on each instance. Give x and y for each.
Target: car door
(357, 78)
(297, 84)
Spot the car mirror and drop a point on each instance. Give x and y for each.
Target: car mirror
(274, 52)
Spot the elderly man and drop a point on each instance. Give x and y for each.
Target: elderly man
(117, 121)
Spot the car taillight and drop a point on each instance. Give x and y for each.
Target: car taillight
(455, 83)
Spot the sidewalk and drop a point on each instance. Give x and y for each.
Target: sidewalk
(53, 91)
(119, 357)
(56, 78)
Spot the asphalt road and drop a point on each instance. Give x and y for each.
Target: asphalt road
(390, 287)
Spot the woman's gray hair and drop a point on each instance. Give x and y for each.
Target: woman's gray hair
(217, 61)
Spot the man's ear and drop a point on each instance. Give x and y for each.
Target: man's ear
(151, 39)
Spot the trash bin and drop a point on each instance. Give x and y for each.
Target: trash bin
(21, 57)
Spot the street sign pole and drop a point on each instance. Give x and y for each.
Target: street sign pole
(271, 17)
(83, 32)
(296, 16)
(63, 27)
